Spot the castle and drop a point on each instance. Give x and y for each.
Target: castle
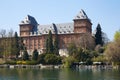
(34, 35)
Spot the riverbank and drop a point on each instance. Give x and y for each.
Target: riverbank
(40, 66)
(30, 66)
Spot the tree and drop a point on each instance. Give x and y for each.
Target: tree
(21, 44)
(25, 55)
(35, 55)
(6, 42)
(86, 41)
(117, 35)
(105, 38)
(56, 45)
(56, 41)
(98, 35)
(10, 42)
(3, 33)
(3, 43)
(49, 43)
(72, 49)
(112, 52)
(15, 45)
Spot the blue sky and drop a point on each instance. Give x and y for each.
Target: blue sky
(105, 12)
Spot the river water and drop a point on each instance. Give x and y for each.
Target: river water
(58, 74)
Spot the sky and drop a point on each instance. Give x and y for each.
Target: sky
(104, 12)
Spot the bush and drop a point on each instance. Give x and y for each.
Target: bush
(41, 58)
(49, 59)
(68, 62)
(27, 62)
(100, 58)
(21, 62)
(10, 62)
(31, 62)
(52, 59)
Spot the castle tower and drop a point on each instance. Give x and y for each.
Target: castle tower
(27, 26)
(82, 23)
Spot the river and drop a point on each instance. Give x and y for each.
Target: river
(58, 74)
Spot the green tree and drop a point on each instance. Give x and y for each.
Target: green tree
(35, 55)
(21, 45)
(56, 41)
(117, 36)
(56, 45)
(47, 45)
(25, 55)
(15, 45)
(50, 43)
(72, 49)
(98, 36)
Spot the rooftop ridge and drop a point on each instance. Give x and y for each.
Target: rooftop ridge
(29, 20)
(81, 15)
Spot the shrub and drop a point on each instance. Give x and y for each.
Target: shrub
(68, 62)
(41, 58)
(10, 62)
(100, 58)
(52, 59)
(21, 62)
(31, 62)
(27, 62)
(49, 59)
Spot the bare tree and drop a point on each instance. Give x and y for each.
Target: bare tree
(105, 38)
(3, 33)
(10, 33)
(6, 41)
(9, 42)
(86, 41)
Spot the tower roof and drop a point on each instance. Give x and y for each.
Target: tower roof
(81, 15)
(29, 20)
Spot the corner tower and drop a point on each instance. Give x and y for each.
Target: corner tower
(82, 23)
(28, 25)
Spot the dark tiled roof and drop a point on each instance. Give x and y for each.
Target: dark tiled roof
(81, 15)
(29, 20)
(63, 28)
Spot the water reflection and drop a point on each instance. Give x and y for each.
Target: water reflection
(58, 74)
